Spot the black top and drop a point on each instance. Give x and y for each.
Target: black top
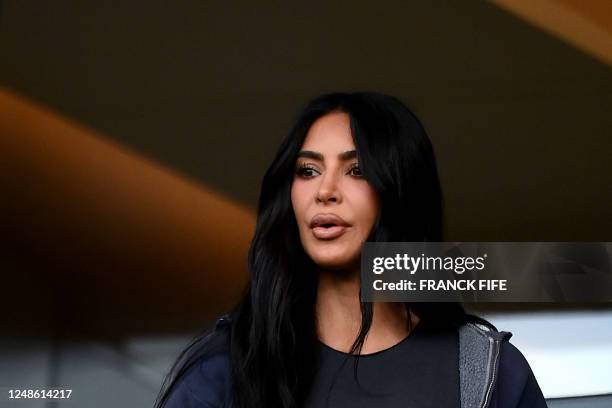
(411, 373)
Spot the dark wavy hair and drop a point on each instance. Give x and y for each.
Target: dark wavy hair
(271, 337)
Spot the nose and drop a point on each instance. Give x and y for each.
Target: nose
(328, 189)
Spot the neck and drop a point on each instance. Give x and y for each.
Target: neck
(338, 310)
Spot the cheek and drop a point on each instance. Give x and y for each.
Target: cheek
(365, 203)
(299, 198)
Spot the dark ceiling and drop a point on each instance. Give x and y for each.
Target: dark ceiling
(520, 121)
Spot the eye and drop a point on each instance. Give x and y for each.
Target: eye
(306, 170)
(355, 171)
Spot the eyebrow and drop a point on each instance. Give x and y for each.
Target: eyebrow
(348, 155)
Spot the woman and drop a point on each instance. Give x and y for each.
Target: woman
(355, 167)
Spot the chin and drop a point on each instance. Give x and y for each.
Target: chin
(332, 260)
(330, 265)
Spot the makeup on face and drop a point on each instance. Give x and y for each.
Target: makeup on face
(334, 206)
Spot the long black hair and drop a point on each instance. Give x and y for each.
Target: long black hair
(272, 339)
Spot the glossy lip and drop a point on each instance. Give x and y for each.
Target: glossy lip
(338, 228)
(328, 233)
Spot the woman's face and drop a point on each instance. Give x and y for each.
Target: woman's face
(334, 206)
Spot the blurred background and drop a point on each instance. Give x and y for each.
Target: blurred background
(134, 137)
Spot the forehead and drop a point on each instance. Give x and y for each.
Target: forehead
(330, 133)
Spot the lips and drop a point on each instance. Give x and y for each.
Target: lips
(328, 226)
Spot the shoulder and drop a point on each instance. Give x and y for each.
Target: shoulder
(516, 379)
(513, 364)
(205, 384)
(514, 382)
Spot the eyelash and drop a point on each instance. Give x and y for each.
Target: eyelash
(301, 171)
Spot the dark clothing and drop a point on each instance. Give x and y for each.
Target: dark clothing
(491, 373)
(408, 374)
(516, 386)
